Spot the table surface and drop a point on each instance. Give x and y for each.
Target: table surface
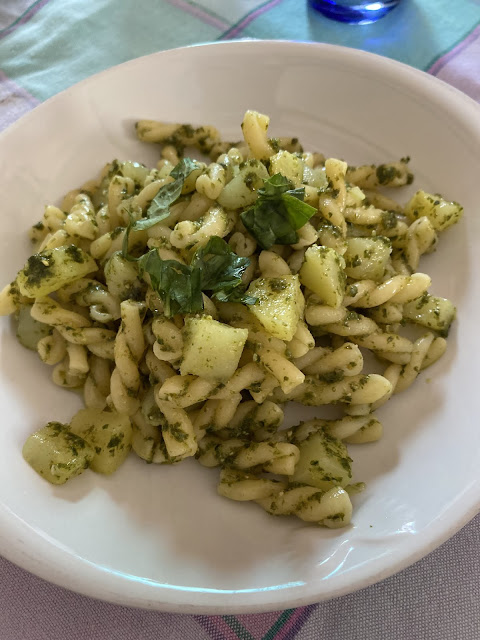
(48, 45)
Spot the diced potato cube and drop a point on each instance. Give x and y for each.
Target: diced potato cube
(121, 277)
(211, 349)
(323, 273)
(316, 177)
(57, 454)
(108, 433)
(280, 304)
(441, 213)
(431, 311)
(241, 191)
(51, 269)
(29, 330)
(366, 258)
(324, 462)
(288, 165)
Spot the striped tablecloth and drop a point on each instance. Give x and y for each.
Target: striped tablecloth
(48, 45)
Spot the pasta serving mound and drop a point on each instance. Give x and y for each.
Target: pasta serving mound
(190, 301)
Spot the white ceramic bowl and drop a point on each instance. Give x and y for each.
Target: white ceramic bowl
(159, 537)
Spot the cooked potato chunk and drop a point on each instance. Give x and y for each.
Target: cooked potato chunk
(322, 272)
(288, 165)
(241, 191)
(441, 213)
(280, 304)
(431, 311)
(29, 330)
(323, 463)
(51, 269)
(56, 453)
(366, 258)
(108, 433)
(211, 349)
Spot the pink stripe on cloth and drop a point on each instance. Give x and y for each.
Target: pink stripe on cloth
(258, 624)
(237, 28)
(14, 101)
(25, 17)
(293, 625)
(441, 62)
(199, 13)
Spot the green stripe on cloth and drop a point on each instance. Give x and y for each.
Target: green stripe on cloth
(238, 628)
(282, 619)
(104, 35)
(405, 34)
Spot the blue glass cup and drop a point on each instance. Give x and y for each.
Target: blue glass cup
(354, 11)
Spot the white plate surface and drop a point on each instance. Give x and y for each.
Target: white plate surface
(160, 537)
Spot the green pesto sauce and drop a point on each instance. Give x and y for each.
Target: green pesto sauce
(38, 268)
(75, 254)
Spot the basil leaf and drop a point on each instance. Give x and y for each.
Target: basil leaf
(159, 208)
(278, 212)
(275, 186)
(268, 226)
(160, 205)
(214, 268)
(220, 266)
(178, 285)
(298, 212)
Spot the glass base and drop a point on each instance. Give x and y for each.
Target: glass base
(354, 12)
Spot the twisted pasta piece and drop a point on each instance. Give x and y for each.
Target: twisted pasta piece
(252, 420)
(168, 339)
(104, 307)
(77, 360)
(359, 389)
(52, 349)
(271, 265)
(49, 312)
(10, 299)
(332, 509)
(421, 238)
(302, 342)
(211, 183)
(275, 457)
(178, 432)
(254, 128)
(128, 349)
(184, 391)
(62, 377)
(332, 364)
(242, 244)
(242, 486)
(216, 222)
(147, 441)
(332, 205)
(393, 174)
(81, 221)
(286, 373)
(97, 383)
(351, 429)
(204, 137)
(399, 289)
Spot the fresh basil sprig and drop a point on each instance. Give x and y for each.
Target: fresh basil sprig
(177, 284)
(277, 213)
(159, 208)
(214, 268)
(222, 271)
